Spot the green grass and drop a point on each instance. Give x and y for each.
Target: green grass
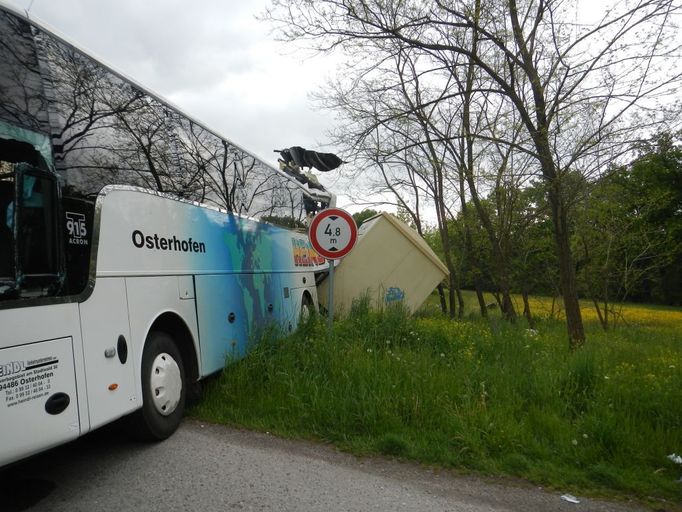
(476, 395)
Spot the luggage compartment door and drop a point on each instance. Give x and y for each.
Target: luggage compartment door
(38, 400)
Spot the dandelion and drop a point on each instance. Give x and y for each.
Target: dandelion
(574, 442)
(584, 436)
(369, 350)
(388, 342)
(442, 354)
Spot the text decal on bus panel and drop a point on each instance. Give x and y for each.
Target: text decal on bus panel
(140, 240)
(22, 381)
(78, 231)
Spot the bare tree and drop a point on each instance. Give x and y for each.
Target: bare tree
(389, 132)
(553, 69)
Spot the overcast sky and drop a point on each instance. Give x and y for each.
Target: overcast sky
(211, 58)
(217, 63)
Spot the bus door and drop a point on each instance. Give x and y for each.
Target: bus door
(38, 398)
(109, 361)
(223, 320)
(39, 362)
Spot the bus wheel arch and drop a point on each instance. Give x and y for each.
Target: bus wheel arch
(176, 328)
(167, 370)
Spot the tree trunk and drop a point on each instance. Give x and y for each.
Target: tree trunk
(526, 310)
(481, 299)
(501, 257)
(569, 291)
(508, 309)
(451, 295)
(540, 134)
(498, 299)
(460, 303)
(602, 320)
(445, 240)
(443, 303)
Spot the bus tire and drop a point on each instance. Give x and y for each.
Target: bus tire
(164, 388)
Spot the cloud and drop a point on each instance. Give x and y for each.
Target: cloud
(160, 44)
(253, 125)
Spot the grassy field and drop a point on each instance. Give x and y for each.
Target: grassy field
(475, 395)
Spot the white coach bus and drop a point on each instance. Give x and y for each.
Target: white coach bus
(134, 256)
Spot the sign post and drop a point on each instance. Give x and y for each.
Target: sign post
(330, 297)
(333, 234)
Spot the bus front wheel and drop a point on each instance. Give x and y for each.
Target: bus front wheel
(163, 388)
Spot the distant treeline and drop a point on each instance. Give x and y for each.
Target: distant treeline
(626, 233)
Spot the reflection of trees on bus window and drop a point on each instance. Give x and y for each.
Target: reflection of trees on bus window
(6, 225)
(13, 155)
(111, 132)
(61, 110)
(105, 130)
(22, 98)
(28, 234)
(36, 227)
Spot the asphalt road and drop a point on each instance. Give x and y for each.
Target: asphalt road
(212, 468)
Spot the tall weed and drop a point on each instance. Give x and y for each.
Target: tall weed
(492, 397)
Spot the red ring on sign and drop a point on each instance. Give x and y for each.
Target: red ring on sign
(332, 212)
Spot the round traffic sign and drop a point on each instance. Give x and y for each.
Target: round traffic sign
(333, 233)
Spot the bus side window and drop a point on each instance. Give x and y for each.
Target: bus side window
(38, 254)
(22, 165)
(6, 229)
